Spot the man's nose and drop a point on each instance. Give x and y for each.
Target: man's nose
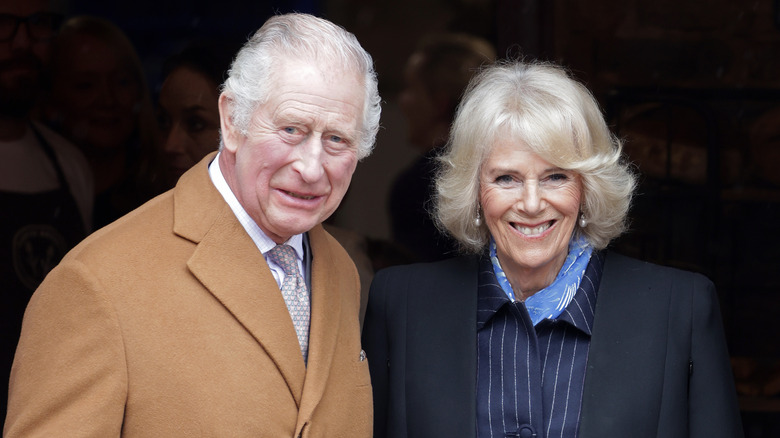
(308, 162)
(22, 38)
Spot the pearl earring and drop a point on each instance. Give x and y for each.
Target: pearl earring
(583, 221)
(478, 219)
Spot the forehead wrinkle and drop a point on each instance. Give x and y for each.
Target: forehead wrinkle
(320, 117)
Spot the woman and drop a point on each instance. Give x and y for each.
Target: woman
(540, 331)
(187, 110)
(98, 99)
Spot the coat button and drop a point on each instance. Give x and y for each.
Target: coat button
(525, 431)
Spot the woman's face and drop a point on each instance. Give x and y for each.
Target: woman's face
(189, 119)
(530, 208)
(94, 94)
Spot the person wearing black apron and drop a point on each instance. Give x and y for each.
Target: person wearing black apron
(36, 230)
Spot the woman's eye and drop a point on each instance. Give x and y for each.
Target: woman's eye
(196, 124)
(84, 85)
(558, 177)
(503, 179)
(125, 81)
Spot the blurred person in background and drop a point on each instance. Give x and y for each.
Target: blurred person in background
(98, 99)
(435, 76)
(45, 182)
(187, 106)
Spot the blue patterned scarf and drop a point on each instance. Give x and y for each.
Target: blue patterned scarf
(549, 302)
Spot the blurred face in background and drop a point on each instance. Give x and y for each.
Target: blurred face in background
(24, 51)
(419, 106)
(95, 96)
(189, 119)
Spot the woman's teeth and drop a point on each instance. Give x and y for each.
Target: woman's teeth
(533, 231)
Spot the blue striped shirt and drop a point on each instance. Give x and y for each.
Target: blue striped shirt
(530, 379)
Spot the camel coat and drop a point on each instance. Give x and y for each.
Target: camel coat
(168, 323)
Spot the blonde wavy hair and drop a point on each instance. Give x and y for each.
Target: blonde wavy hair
(539, 105)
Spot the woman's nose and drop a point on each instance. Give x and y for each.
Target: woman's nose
(530, 199)
(175, 139)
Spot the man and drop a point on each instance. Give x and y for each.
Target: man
(171, 321)
(45, 183)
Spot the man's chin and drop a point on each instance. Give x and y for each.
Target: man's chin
(285, 229)
(18, 97)
(15, 107)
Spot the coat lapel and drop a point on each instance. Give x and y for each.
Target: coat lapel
(624, 375)
(442, 349)
(328, 295)
(231, 268)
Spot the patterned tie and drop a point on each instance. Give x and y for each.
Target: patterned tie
(294, 292)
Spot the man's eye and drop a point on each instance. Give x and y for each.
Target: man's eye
(291, 130)
(336, 139)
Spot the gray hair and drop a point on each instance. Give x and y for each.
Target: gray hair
(555, 116)
(250, 78)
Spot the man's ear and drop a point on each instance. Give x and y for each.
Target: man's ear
(230, 132)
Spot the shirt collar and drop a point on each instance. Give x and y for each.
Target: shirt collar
(579, 313)
(261, 240)
(551, 301)
(582, 309)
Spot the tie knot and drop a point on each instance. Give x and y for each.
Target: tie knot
(284, 256)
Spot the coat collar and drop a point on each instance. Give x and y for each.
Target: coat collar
(578, 313)
(232, 269)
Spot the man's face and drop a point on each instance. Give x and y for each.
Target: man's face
(22, 59)
(293, 166)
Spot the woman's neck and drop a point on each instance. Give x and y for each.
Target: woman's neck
(526, 281)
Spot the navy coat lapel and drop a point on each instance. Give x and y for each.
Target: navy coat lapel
(441, 350)
(625, 371)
